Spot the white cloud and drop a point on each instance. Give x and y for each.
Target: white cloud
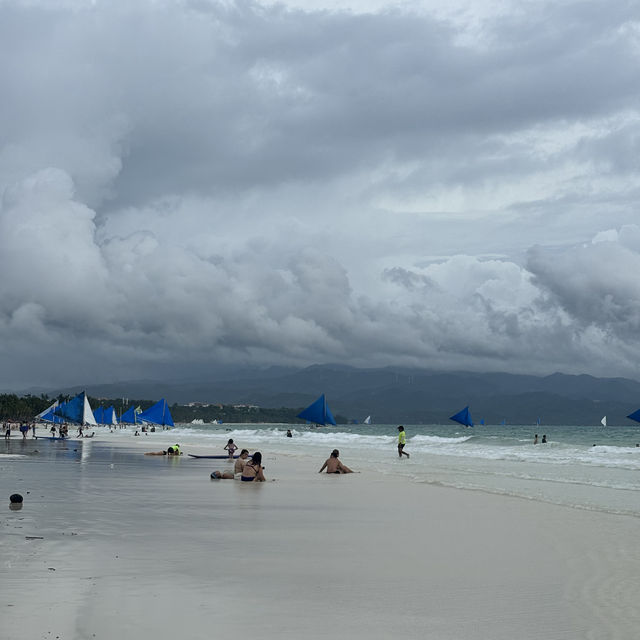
(445, 185)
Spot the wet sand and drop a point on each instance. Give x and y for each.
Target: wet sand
(149, 547)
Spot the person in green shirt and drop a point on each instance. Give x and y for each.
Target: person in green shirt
(402, 440)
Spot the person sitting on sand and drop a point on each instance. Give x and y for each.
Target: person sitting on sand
(174, 451)
(333, 465)
(231, 447)
(253, 470)
(241, 461)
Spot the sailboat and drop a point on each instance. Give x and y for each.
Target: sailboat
(130, 416)
(110, 416)
(157, 414)
(463, 417)
(318, 413)
(49, 416)
(603, 422)
(77, 410)
(98, 414)
(367, 420)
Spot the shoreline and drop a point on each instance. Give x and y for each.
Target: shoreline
(528, 482)
(150, 546)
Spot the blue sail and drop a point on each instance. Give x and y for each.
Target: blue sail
(158, 414)
(318, 412)
(73, 410)
(635, 415)
(49, 416)
(129, 416)
(77, 410)
(109, 416)
(463, 417)
(98, 414)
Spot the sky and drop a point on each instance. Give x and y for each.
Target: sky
(194, 185)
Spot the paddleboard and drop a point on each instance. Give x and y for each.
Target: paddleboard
(212, 457)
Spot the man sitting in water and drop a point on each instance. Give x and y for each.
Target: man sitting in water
(333, 465)
(238, 467)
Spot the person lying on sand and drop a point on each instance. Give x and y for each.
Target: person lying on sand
(333, 465)
(171, 451)
(253, 471)
(219, 475)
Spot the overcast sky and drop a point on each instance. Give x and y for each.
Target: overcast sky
(197, 184)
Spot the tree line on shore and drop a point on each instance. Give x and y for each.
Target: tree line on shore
(14, 408)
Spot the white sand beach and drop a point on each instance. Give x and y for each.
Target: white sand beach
(128, 546)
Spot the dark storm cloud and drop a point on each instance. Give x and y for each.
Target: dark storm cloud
(194, 182)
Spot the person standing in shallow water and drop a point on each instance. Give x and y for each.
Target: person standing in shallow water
(535, 439)
(231, 447)
(402, 440)
(544, 439)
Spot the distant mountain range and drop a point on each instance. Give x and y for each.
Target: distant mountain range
(412, 396)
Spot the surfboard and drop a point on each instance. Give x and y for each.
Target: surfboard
(212, 457)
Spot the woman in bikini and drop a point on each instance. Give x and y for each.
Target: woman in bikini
(253, 471)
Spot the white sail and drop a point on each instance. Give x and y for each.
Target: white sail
(87, 414)
(603, 422)
(367, 420)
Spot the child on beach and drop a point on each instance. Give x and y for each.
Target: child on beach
(333, 465)
(231, 447)
(402, 440)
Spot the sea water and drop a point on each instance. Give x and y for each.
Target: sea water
(586, 467)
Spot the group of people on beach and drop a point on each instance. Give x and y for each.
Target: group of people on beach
(246, 468)
(24, 428)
